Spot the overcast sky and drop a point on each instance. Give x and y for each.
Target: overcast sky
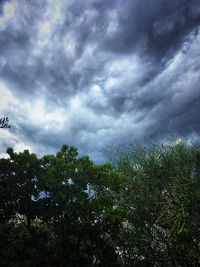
(95, 72)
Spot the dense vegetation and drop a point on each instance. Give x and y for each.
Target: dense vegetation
(143, 209)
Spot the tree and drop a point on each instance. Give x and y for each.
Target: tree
(162, 196)
(61, 210)
(64, 210)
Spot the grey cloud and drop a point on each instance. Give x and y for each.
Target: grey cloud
(153, 27)
(128, 49)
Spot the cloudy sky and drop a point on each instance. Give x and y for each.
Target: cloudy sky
(95, 72)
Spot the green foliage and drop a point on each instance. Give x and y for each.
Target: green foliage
(162, 195)
(64, 210)
(73, 222)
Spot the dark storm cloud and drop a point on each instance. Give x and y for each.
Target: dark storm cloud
(156, 27)
(33, 61)
(104, 71)
(153, 27)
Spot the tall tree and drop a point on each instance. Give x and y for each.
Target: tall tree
(162, 199)
(62, 210)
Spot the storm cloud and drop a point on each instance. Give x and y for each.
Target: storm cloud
(90, 73)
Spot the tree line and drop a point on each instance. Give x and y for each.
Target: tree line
(140, 209)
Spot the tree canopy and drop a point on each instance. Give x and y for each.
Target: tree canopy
(141, 209)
